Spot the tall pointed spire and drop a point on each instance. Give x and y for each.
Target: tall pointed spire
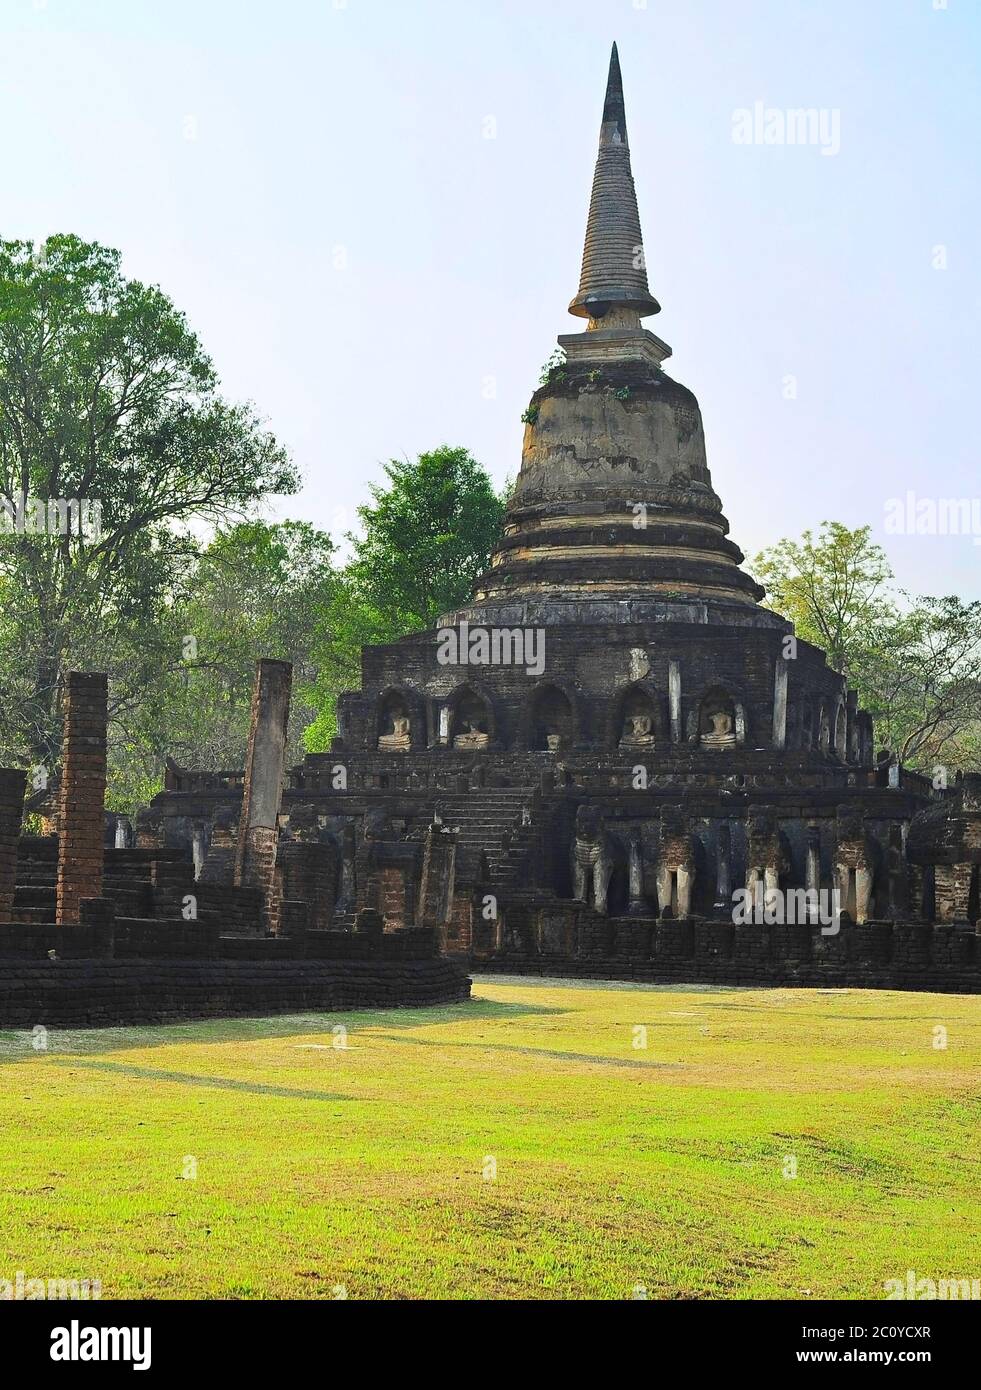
(614, 275)
(614, 111)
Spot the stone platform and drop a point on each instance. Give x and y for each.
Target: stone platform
(118, 972)
(119, 993)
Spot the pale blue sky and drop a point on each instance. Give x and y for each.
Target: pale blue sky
(312, 183)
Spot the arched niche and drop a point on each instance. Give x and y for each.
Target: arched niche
(551, 723)
(636, 720)
(470, 718)
(398, 721)
(721, 719)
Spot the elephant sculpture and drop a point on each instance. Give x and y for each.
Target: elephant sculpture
(593, 860)
(857, 865)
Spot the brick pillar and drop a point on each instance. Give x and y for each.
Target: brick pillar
(261, 795)
(438, 879)
(12, 783)
(82, 793)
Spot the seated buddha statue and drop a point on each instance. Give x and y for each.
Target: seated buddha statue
(473, 736)
(399, 738)
(637, 731)
(721, 734)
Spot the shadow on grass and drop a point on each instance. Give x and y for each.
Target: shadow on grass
(551, 1054)
(218, 1083)
(20, 1046)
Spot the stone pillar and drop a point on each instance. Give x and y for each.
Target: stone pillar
(723, 871)
(438, 878)
(12, 784)
(674, 700)
(637, 905)
(812, 868)
(780, 704)
(262, 791)
(199, 849)
(347, 900)
(852, 737)
(82, 794)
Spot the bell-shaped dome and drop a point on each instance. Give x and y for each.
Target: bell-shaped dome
(614, 499)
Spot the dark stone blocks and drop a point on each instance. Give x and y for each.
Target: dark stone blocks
(94, 993)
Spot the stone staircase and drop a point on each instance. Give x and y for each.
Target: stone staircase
(489, 819)
(483, 817)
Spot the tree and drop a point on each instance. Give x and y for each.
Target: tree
(113, 427)
(831, 588)
(259, 589)
(916, 663)
(922, 683)
(426, 539)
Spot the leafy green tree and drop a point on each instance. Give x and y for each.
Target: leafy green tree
(916, 663)
(426, 538)
(921, 679)
(106, 398)
(831, 587)
(258, 589)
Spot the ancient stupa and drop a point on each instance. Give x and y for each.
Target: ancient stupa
(586, 762)
(615, 761)
(614, 500)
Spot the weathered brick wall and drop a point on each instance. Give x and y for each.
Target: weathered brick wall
(309, 871)
(12, 784)
(117, 993)
(901, 955)
(100, 933)
(82, 794)
(392, 894)
(953, 889)
(36, 941)
(591, 662)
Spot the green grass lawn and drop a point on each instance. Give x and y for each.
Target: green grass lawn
(619, 1168)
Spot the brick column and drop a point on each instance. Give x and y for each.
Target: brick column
(12, 783)
(82, 794)
(261, 795)
(438, 879)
